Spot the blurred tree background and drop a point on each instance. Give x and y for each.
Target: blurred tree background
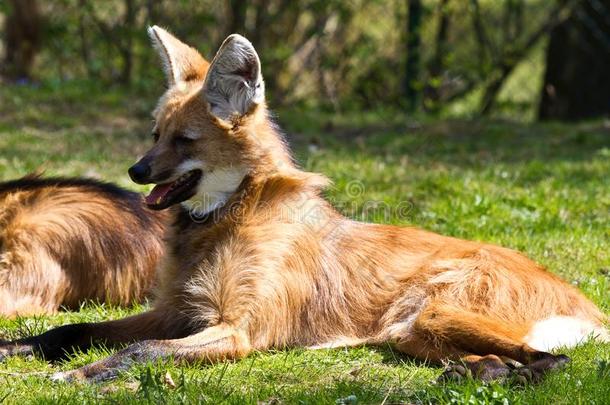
(519, 59)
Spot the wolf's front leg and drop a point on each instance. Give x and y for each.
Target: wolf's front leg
(214, 344)
(60, 342)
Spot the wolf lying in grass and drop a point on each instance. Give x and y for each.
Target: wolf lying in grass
(65, 241)
(257, 259)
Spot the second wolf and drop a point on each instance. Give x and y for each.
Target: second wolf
(64, 241)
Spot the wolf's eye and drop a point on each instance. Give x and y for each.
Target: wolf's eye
(182, 140)
(155, 136)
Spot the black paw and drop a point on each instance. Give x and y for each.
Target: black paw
(535, 371)
(486, 368)
(455, 372)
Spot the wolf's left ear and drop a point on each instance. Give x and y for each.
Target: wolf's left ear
(181, 63)
(234, 83)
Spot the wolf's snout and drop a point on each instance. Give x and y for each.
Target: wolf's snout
(140, 172)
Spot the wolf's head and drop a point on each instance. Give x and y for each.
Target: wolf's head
(210, 127)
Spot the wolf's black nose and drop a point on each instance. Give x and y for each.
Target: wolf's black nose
(140, 172)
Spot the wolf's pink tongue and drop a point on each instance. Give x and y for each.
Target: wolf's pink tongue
(157, 194)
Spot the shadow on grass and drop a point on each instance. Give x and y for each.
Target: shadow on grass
(462, 142)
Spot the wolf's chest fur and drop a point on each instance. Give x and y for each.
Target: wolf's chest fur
(283, 260)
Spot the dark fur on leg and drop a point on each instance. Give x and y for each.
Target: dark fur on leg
(60, 342)
(492, 368)
(110, 367)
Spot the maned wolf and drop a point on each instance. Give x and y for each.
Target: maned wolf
(64, 241)
(257, 259)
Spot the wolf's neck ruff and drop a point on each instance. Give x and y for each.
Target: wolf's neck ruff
(214, 190)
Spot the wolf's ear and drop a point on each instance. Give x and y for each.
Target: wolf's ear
(234, 83)
(181, 63)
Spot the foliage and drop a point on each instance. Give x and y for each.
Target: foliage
(327, 54)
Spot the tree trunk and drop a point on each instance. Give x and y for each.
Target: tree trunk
(152, 11)
(436, 65)
(577, 78)
(260, 23)
(514, 55)
(85, 53)
(512, 21)
(412, 88)
(237, 16)
(484, 45)
(126, 48)
(22, 39)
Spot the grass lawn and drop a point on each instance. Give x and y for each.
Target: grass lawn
(541, 189)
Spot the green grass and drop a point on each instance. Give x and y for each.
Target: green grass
(542, 189)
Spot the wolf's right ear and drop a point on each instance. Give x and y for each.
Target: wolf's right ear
(181, 63)
(234, 83)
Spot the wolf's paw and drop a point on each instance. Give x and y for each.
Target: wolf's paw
(536, 370)
(9, 349)
(70, 376)
(60, 377)
(455, 372)
(92, 373)
(486, 368)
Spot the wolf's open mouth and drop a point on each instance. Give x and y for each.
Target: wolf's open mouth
(164, 195)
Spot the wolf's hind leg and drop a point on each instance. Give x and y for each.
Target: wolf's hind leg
(477, 343)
